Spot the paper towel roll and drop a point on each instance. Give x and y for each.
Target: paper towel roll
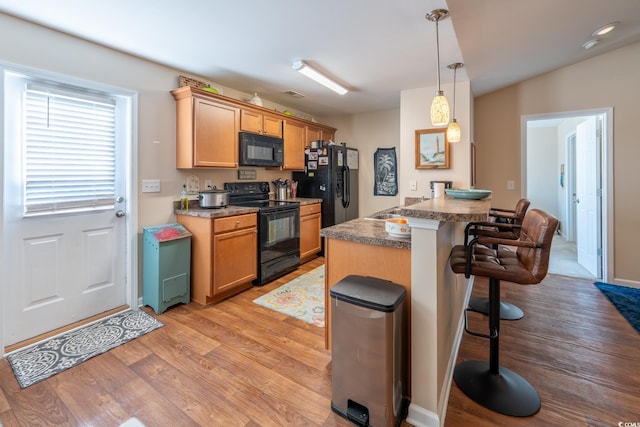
(438, 189)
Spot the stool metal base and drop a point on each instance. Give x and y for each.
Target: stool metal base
(508, 311)
(505, 392)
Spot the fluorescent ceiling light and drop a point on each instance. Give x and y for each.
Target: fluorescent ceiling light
(591, 43)
(605, 29)
(305, 69)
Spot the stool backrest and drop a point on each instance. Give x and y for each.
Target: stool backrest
(538, 227)
(521, 210)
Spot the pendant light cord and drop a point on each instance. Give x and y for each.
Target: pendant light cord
(455, 71)
(438, 52)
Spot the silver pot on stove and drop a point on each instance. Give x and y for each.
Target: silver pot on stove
(213, 198)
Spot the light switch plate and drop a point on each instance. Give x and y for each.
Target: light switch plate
(150, 185)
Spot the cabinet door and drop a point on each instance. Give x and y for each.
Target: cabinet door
(327, 135)
(272, 125)
(235, 260)
(250, 121)
(294, 141)
(313, 134)
(215, 134)
(309, 236)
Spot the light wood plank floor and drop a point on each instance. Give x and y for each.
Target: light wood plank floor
(239, 364)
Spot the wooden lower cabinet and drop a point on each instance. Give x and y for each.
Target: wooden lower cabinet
(224, 255)
(342, 258)
(310, 224)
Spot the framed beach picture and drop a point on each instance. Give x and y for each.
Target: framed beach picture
(432, 149)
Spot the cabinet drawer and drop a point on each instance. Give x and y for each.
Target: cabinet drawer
(310, 209)
(231, 223)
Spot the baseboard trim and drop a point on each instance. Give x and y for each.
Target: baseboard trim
(420, 417)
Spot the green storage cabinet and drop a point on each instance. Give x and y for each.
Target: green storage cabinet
(166, 266)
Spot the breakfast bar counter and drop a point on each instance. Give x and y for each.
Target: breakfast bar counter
(437, 296)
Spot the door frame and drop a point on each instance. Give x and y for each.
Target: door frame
(131, 190)
(606, 165)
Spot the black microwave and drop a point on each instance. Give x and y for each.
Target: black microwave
(261, 150)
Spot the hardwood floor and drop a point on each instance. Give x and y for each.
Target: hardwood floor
(239, 364)
(572, 345)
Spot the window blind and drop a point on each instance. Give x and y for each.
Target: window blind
(70, 156)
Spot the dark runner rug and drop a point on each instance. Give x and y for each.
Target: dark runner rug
(47, 358)
(625, 299)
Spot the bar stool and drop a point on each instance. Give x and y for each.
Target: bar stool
(505, 225)
(487, 383)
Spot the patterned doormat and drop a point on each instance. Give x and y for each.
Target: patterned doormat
(45, 359)
(625, 299)
(302, 298)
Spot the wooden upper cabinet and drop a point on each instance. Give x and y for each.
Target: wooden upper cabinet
(318, 132)
(207, 127)
(206, 131)
(328, 134)
(261, 123)
(294, 143)
(313, 134)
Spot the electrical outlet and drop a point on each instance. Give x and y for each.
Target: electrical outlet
(413, 185)
(150, 185)
(207, 184)
(511, 184)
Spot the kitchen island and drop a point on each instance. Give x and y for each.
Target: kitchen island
(437, 296)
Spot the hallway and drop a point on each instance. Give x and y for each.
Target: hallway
(564, 257)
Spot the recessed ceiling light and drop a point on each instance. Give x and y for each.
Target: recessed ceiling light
(591, 43)
(604, 29)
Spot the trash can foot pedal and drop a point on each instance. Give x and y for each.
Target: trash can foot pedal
(357, 413)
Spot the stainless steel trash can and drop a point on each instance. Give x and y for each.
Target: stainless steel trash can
(369, 351)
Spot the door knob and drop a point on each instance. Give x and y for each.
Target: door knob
(120, 214)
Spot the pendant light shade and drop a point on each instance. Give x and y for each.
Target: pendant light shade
(439, 105)
(439, 109)
(453, 131)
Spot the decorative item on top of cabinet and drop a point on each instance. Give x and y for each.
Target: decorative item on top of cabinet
(224, 255)
(259, 122)
(310, 223)
(206, 130)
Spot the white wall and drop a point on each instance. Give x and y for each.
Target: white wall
(414, 107)
(542, 169)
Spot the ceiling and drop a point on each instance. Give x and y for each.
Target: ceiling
(376, 48)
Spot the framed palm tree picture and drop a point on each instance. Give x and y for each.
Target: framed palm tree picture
(386, 174)
(432, 149)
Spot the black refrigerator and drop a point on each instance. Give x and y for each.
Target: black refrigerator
(331, 174)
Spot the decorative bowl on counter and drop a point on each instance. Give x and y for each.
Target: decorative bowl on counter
(397, 227)
(472, 193)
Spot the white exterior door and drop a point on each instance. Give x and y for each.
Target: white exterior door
(588, 214)
(64, 265)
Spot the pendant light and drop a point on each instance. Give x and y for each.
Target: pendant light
(453, 131)
(439, 105)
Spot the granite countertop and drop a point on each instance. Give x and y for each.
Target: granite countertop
(449, 209)
(196, 210)
(303, 200)
(368, 231)
(231, 210)
(371, 231)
